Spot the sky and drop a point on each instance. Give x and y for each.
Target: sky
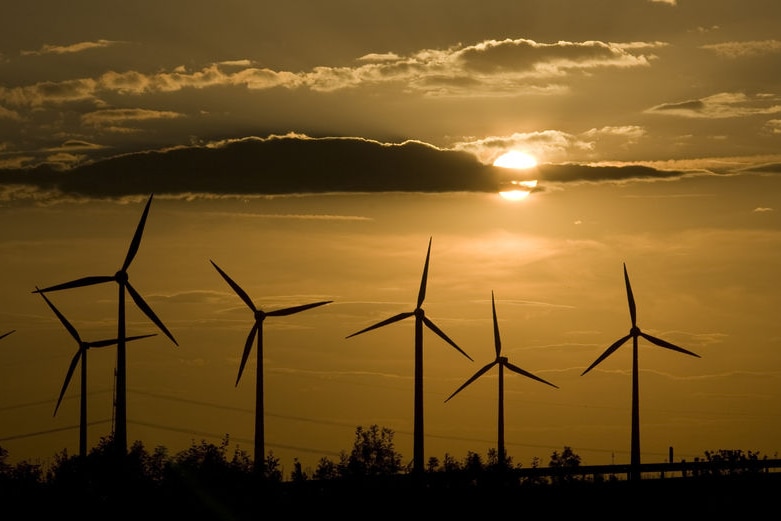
(312, 150)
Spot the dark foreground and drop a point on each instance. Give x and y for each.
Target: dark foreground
(719, 497)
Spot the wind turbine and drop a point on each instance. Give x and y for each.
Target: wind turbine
(257, 330)
(6, 334)
(122, 280)
(503, 363)
(81, 356)
(420, 320)
(634, 334)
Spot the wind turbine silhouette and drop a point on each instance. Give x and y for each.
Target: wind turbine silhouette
(503, 363)
(81, 356)
(6, 334)
(420, 320)
(634, 334)
(257, 330)
(122, 280)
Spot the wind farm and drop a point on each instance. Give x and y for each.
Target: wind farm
(352, 307)
(123, 282)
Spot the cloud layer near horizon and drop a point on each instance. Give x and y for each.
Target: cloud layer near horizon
(297, 165)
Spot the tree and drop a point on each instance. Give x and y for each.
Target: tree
(497, 463)
(298, 473)
(373, 453)
(326, 469)
(566, 461)
(451, 464)
(473, 464)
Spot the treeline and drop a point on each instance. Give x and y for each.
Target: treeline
(213, 481)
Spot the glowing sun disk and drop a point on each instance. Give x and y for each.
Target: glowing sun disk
(516, 159)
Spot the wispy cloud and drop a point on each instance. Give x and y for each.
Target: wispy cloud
(744, 49)
(71, 48)
(722, 105)
(487, 68)
(119, 120)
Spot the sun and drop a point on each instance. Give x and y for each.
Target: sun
(516, 159)
(518, 190)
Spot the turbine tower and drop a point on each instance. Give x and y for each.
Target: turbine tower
(81, 356)
(123, 282)
(257, 330)
(503, 363)
(420, 321)
(634, 334)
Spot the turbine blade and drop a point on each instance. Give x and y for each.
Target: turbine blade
(444, 337)
(115, 341)
(68, 325)
(240, 292)
(497, 341)
(296, 309)
(424, 278)
(68, 376)
(103, 343)
(139, 337)
(668, 345)
(78, 283)
(631, 298)
(134, 244)
(6, 334)
(247, 349)
(520, 371)
(609, 351)
(148, 311)
(474, 377)
(396, 318)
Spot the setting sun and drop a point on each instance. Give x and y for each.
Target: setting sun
(516, 159)
(520, 190)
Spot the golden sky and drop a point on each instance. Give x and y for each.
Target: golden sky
(312, 151)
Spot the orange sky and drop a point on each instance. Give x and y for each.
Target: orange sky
(702, 263)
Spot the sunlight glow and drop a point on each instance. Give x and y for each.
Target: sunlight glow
(519, 190)
(516, 159)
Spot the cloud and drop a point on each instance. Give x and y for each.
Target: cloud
(773, 126)
(552, 145)
(9, 114)
(487, 68)
(72, 48)
(295, 164)
(117, 120)
(745, 49)
(722, 105)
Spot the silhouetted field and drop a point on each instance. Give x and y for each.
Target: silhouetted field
(213, 489)
(384, 498)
